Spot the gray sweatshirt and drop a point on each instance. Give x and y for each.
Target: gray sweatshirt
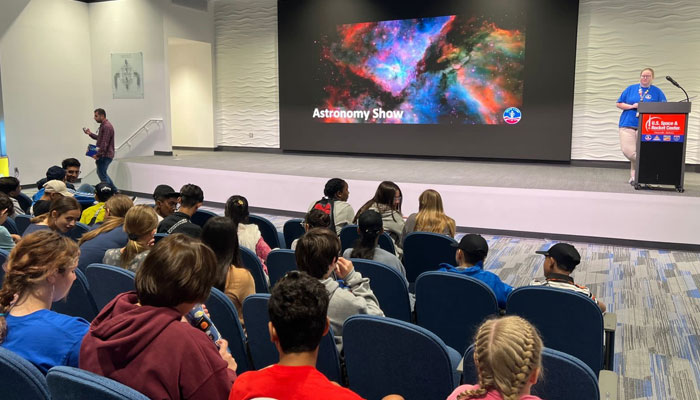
(344, 303)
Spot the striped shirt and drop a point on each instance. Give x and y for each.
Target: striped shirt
(561, 281)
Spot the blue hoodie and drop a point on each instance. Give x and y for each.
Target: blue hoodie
(501, 289)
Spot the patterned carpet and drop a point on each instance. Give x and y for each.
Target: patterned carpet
(654, 294)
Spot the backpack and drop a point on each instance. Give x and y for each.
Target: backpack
(326, 205)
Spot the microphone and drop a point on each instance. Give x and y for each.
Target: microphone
(674, 83)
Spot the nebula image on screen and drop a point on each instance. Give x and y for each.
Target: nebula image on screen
(451, 69)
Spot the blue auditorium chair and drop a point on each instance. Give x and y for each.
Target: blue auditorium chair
(11, 226)
(425, 251)
(390, 287)
(349, 235)
(68, 383)
(565, 377)
(568, 321)
(453, 306)
(22, 221)
(78, 231)
(225, 317)
(79, 301)
(263, 351)
(293, 229)
(200, 217)
(253, 264)
(158, 236)
(20, 379)
(267, 230)
(107, 281)
(279, 262)
(385, 356)
(3, 259)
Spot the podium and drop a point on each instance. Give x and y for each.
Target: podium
(663, 132)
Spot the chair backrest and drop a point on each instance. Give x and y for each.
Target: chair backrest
(107, 281)
(348, 236)
(200, 217)
(25, 202)
(22, 221)
(279, 262)
(158, 236)
(267, 230)
(381, 358)
(3, 259)
(293, 229)
(425, 251)
(11, 226)
(390, 287)
(252, 263)
(565, 377)
(68, 383)
(256, 317)
(225, 318)
(79, 301)
(453, 306)
(78, 231)
(20, 379)
(569, 322)
(263, 351)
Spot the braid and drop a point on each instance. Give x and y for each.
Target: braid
(507, 352)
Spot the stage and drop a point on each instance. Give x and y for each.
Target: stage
(553, 201)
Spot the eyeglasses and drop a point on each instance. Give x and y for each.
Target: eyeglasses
(646, 76)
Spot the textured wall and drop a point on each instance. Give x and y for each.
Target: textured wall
(247, 111)
(615, 40)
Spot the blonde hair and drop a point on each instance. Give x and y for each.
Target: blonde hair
(139, 221)
(431, 216)
(507, 351)
(117, 206)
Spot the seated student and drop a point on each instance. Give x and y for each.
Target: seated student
(59, 174)
(249, 235)
(7, 240)
(108, 235)
(219, 233)
(53, 173)
(96, 214)
(317, 255)
(166, 199)
(51, 191)
(62, 216)
(431, 216)
(335, 198)
(138, 339)
(72, 167)
(298, 307)
(370, 228)
(40, 270)
(559, 262)
(10, 186)
(387, 202)
(140, 225)
(191, 198)
(471, 253)
(313, 219)
(508, 356)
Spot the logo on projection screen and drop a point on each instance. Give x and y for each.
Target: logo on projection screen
(512, 115)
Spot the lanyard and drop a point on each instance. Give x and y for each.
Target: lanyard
(641, 96)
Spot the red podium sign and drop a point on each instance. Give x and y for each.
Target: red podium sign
(663, 127)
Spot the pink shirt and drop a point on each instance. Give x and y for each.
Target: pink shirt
(490, 395)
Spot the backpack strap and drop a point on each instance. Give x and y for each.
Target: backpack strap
(94, 217)
(177, 225)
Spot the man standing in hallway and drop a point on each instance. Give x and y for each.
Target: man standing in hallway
(105, 145)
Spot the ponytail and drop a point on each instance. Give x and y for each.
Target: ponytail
(366, 245)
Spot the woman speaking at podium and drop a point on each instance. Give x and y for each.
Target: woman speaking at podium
(640, 92)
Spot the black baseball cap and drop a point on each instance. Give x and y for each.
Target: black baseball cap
(103, 191)
(473, 244)
(55, 173)
(565, 255)
(164, 191)
(370, 221)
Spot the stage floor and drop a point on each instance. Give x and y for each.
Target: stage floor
(518, 199)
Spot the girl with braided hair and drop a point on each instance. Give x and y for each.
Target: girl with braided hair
(39, 271)
(507, 355)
